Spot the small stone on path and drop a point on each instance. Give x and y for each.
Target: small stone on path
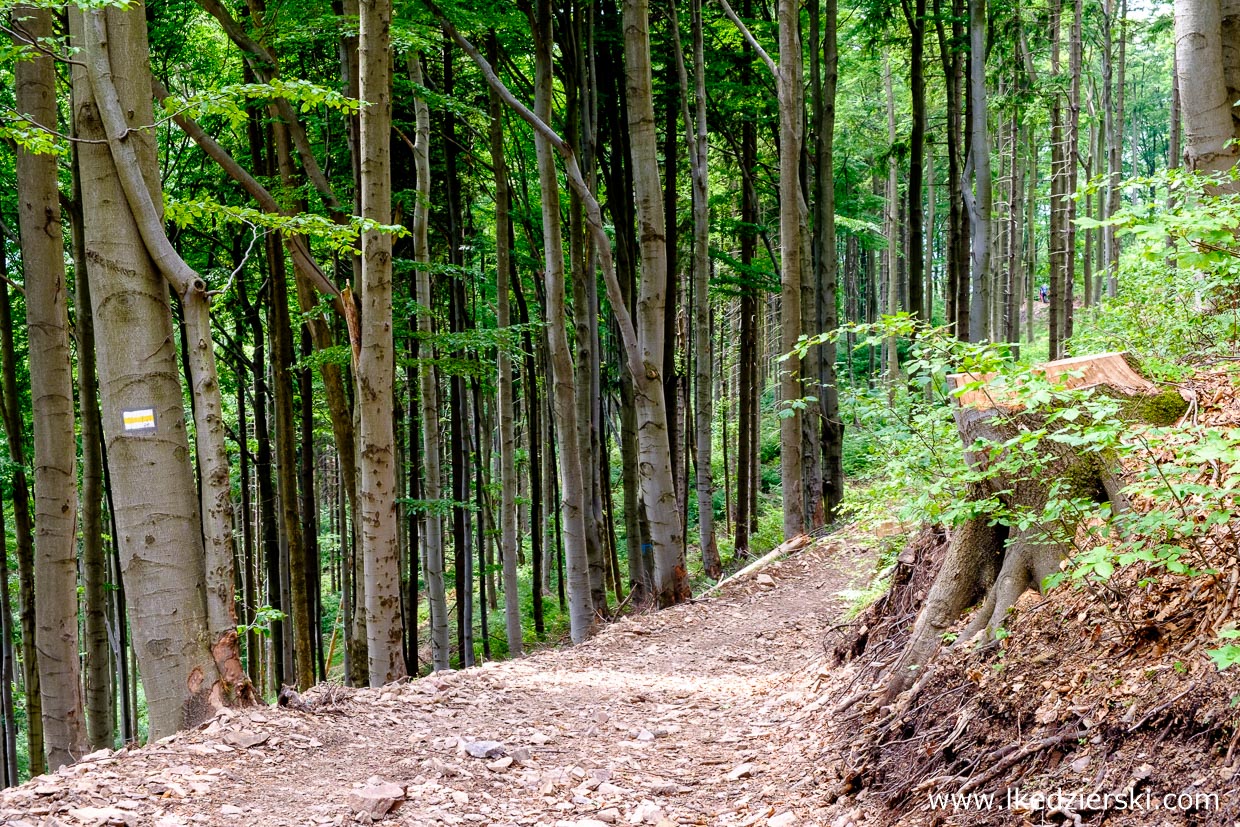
(485, 749)
(375, 799)
(743, 771)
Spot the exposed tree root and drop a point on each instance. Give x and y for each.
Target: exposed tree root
(984, 559)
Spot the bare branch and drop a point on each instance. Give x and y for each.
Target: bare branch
(594, 213)
(753, 41)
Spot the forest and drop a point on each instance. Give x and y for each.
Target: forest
(343, 344)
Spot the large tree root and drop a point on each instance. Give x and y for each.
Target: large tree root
(988, 561)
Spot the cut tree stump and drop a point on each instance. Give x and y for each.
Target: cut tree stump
(994, 563)
(1115, 370)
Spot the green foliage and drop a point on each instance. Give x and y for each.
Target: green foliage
(1177, 300)
(264, 616)
(33, 139)
(1228, 655)
(230, 102)
(204, 212)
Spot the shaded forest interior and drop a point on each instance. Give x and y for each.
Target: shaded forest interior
(356, 341)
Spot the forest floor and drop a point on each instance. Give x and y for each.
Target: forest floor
(700, 714)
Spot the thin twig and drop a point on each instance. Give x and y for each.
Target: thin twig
(254, 235)
(1145, 718)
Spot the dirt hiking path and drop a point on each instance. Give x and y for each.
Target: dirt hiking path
(694, 715)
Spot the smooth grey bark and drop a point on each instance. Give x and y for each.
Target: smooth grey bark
(792, 220)
(978, 201)
(563, 391)
(696, 138)
(432, 565)
(1057, 254)
(505, 396)
(891, 219)
(100, 706)
(1113, 109)
(51, 392)
(376, 358)
(826, 264)
(671, 582)
(1206, 105)
(187, 645)
(1071, 156)
(213, 471)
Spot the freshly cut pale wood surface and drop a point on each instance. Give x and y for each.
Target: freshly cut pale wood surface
(1112, 369)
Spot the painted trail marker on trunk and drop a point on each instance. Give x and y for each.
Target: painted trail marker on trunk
(138, 420)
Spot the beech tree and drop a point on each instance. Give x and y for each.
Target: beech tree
(376, 353)
(420, 367)
(51, 390)
(190, 663)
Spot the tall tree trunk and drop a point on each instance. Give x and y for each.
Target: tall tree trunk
(1071, 154)
(654, 410)
(956, 288)
(249, 589)
(1113, 107)
(480, 453)
(915, 16)
(1209, 132)
(189, 649)
(534, 408)
(8, 746)
(23, 529)
(376, 355)
(310, 504)
(100, 723)
(979, 200)
(891, 229)
(1016, 189)
(506, 400)
(268, 522)
(563, 394)
(676, 430)
(457, 402)
(928, 295)
(1175, 121)
(811, 362)
(827, 265)
(1087, 255)
(213, 475)
(613, 114)
(579, 132)
(429, 386)
(279, 327)
(791, 225)
(696, 140)
(747, 471)
(1057, 252)
(51, 392)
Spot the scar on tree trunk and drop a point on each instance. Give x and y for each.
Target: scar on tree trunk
(991, 566)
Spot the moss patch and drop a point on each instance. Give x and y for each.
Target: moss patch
(1163, 408)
